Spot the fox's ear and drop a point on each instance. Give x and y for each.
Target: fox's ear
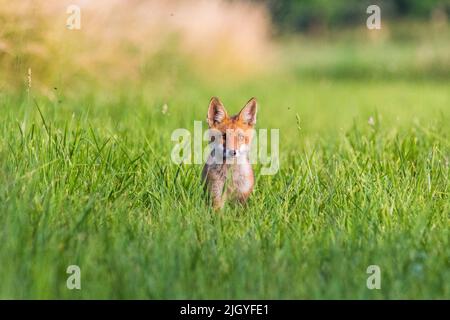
(216, 112)
(248, 113)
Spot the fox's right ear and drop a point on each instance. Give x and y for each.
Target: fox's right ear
(216, 112)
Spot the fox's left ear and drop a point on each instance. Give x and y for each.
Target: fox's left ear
(248, 113)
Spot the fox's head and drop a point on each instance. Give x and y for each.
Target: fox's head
(232, 136)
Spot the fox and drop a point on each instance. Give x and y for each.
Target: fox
(227, 173)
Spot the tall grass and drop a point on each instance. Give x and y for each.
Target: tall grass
(96, 188)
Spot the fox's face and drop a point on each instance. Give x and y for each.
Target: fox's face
(231, 136)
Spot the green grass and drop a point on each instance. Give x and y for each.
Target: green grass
(87, 180)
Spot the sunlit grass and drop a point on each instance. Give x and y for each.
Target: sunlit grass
(90, 182)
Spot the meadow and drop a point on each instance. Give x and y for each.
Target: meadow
(87, 180)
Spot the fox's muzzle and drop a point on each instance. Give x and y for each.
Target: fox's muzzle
(230, 153)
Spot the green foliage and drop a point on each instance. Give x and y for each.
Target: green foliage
(296, 15)
(90, 182)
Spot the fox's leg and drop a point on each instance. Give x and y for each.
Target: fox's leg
(243, 181)
(242, 197)
(217, 194)
(215, 181)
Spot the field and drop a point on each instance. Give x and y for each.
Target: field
(87, 180)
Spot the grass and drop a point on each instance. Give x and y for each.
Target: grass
(87, 180)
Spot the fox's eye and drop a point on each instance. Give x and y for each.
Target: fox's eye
(241, 137)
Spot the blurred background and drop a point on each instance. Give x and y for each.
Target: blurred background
(166, 41)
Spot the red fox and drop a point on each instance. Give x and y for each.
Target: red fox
(228, 173)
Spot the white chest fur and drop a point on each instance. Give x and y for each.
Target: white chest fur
(242, 177)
